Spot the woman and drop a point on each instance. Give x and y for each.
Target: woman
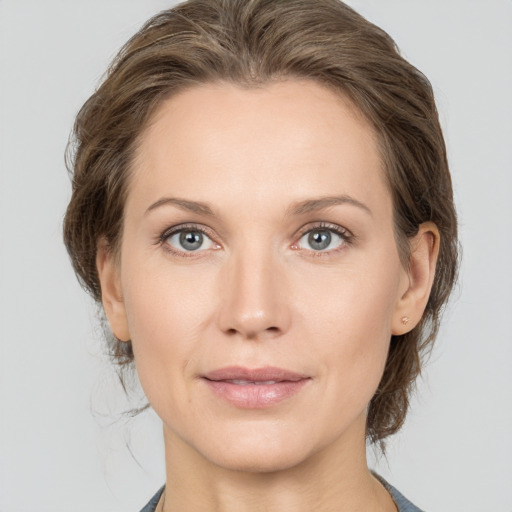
(262, 204)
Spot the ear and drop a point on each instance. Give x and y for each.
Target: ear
(111, 292)
(419, 278)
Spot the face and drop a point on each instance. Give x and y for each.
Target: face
(259, 278)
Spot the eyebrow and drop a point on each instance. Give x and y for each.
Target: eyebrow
(184, 204)
(311, 205)
(300, 208)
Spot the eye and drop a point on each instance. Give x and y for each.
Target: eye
(323, 239)
(188, 240)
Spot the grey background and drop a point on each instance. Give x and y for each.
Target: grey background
(62, 444)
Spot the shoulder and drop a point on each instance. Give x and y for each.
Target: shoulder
(153, 502)
(402, 503)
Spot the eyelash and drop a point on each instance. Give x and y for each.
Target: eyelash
(346, 236)
(177, 229)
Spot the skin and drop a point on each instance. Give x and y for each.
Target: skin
(257, 293)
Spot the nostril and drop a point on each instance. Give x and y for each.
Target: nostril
(254, 333)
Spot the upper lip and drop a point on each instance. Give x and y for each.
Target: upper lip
(267, 373)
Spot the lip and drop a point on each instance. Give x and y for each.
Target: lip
(254, 388)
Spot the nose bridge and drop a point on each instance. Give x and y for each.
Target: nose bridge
(254, 299)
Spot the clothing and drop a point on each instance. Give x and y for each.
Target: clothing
(403, 504)
(153, 502)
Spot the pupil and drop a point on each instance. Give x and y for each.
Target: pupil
(319, 239)
(191, 240)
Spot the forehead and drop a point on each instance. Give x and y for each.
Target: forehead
(292, 138)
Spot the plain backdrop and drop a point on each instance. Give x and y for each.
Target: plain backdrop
(64, 444)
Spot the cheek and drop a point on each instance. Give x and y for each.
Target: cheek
(164, 300)
(166, 314)
(348, 317)
(352, 299)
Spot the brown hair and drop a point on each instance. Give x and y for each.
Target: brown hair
(249, 43)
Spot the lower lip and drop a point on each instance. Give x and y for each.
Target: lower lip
(255, 396)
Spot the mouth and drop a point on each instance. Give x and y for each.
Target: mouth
(254, 388)
(240, 382)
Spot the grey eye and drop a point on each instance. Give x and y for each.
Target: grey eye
(189, 240)
(321, 239)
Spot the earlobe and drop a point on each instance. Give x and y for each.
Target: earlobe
(111, 291)
(421, 272)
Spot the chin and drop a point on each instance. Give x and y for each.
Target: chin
(257, 461)
(257, 453)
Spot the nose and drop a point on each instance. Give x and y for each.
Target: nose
(253, 295)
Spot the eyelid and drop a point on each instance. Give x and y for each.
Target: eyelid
(311, 226)
(188, 226)
(347, 236)
(167, 233)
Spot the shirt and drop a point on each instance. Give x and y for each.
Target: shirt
(402, 503)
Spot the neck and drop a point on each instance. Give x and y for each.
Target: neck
(335, 478)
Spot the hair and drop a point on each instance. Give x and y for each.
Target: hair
(251, 43)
